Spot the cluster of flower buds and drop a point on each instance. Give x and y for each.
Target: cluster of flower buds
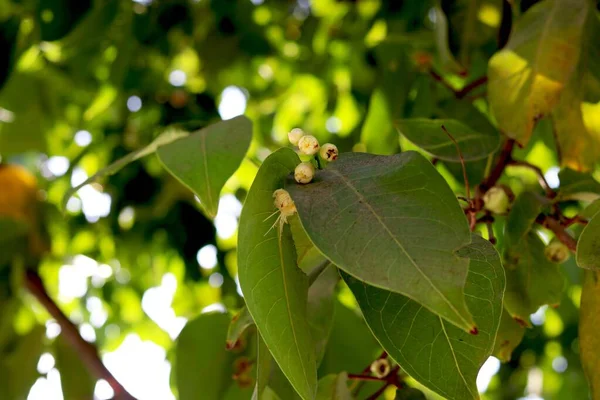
(309, 145)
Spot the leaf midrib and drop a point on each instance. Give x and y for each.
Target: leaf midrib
(206, 175)
(386, 228)
(287, 305)
(455, 359)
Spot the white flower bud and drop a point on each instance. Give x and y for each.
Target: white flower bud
(329, 152)
(308, 144)
(294, 135)
(283, 200)
(304, 172)
(380, 368)
(496, 200)
(556, 251)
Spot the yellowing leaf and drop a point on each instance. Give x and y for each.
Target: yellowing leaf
(528, 76)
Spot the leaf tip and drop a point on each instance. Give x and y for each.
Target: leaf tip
(474, 331)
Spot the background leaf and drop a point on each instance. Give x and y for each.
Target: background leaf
(334, 387)
(70, 366)
(321, 301)
(588, 245)
(374, 216)
(204, 160)
(437, 354)
(509, 336)
(521, 218)
(275, 289)
(588, 331)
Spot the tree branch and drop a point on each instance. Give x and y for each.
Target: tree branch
(559, 231)
(540, 176)
(462, 93)
(87, 351)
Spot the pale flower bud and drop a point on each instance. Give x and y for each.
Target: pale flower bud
(308, 144)
(294, 135)
(496, 200)
(556, 251)
(380, 368)
(304, 172)
(283, 201)
(329, 152)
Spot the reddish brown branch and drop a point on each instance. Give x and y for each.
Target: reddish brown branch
(462, 93)
(559, 231)
(539, 174)
(87, 351)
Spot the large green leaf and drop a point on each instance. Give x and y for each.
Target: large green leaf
(577, 185)
(521, 218)
(474, 144)
(275, 289)
(393, 222)
(528, 76)
(204, 160)
(334, 387)
(203, 365)
(531, 279)
(321, 301)
(589, 340)
(588, 245)
(77, 383)
(510, 334)
(434, 352)
(263, 368)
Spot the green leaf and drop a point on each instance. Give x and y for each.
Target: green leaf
(168, 136)
(528, 76)
(588, 245)
(378, 132)
(263, 368)
(434, 352)
(393, 222)
(321, 301)
(521, 218)
(591, 210)
(442, 44)
(204, 160)
(589, 340)
(526, 269)
(575, 185)
(274, 288)
(239, 323)
(334, 387)
(202, 362)
(77, 382)
(510, 334)
(408, 393)
(429, 136)
(19, 366)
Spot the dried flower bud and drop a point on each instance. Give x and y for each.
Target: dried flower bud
(294, 135)
(329, 152)
(304, 172)
(308, 144)
(380, 368)
(556, 251)
(496, 200)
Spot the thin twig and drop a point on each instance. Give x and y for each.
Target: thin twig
(86, 351)
(462, 93)
(550, 193)
(559, 231)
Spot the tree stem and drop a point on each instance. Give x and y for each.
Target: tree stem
(87, 351)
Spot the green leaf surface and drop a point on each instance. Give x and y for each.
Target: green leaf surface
(429, 136)
(263, 368)
(202, 362)
(510, 334)
(588, 245)
(378, 133)
(408, 393)
(77, 383)
(239, 323)
(575, 185)
(19, 366)
(526, 269)
(589, 340)
(275, 289)
(393, 222)
(334, 387)
(521, 218)
(204, 160)
(528, 76)
(321, 301)
(591, 210)
(164, 138)
(434, 352)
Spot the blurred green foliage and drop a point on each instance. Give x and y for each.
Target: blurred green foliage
(83, 83)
